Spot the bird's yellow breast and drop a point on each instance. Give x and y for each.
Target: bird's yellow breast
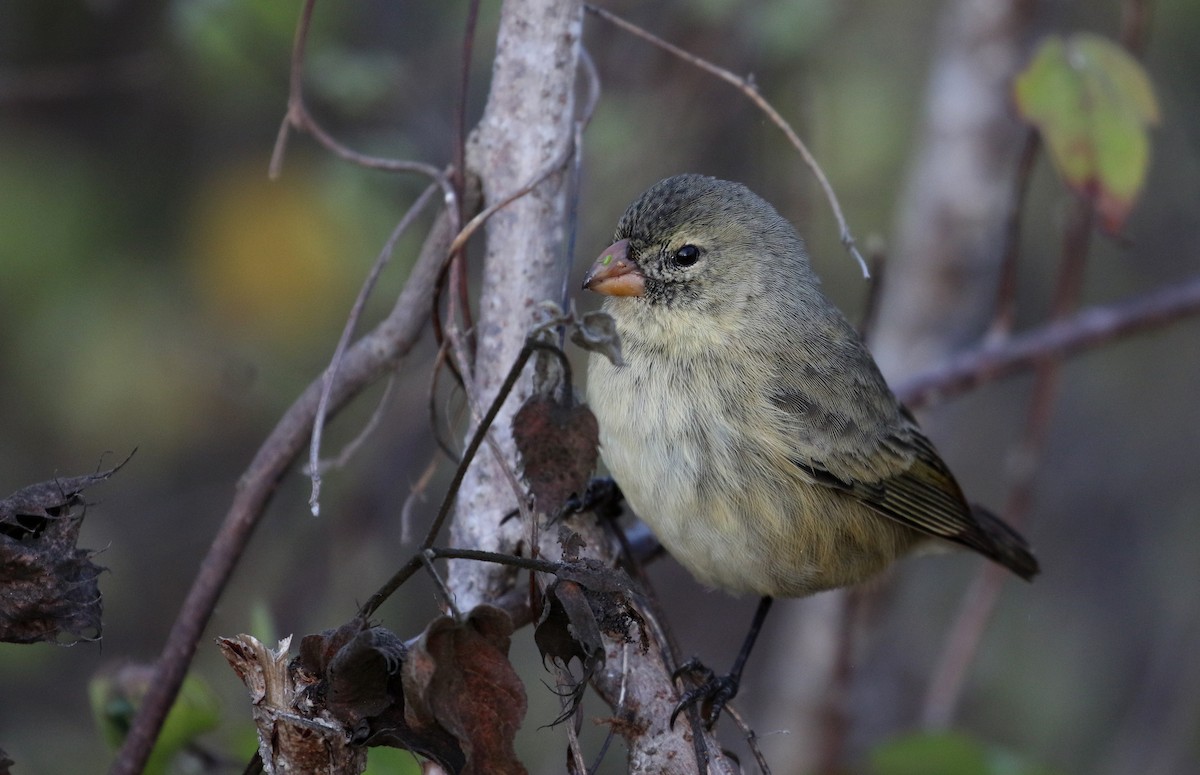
(703, 457)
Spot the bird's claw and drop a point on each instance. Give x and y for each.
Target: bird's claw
(713, 691)
(602, 496)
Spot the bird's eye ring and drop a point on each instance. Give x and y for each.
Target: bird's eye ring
(687, 255)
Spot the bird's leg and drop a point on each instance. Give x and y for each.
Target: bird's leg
(714, 690)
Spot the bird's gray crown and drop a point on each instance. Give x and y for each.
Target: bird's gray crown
(682, 199)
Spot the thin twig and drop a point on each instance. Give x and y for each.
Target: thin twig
(751, 91)
(565, 684)
(549, 169)
(368, 608)
(342, 459)
(299, 117)
(472, 395)
(751, 739)
(360, 303)
(417, 492)
(458, 263)
(1006, 293)
(1086, 329)
(618, 711)
(295, 87)
(427, 558)
(525, 563)
(585, 117)
(440, 361)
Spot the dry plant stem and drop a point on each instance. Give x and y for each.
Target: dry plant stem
(835, 716)
(452, 490)
(1090, 328)
(751, 91)
(945, 688)
(471, 391)
(1135, 25)
(563, 681)
(528, 122)
(1006, 294)
(460, 109)
(458, 264)
(360, 303)
(751, 740)
(343, 458)
(369, 358)
(592, 78)
(298, 116)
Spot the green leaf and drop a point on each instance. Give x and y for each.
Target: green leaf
(947, 753)
(115, 696)
(1092, 103)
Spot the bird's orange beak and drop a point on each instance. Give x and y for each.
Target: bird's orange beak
(614, 274)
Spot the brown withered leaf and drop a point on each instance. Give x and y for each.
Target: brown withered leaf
(568, 630)
(355, 674)
(558, 445)
(48, 587)
(586, 600)
(458, 677)
(364, 675)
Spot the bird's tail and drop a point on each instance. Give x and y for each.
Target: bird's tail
(1008, 547)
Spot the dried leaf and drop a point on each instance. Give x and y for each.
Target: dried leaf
(364, 675)
(558, 445)
(48, 587)
(458, 677)
(1092, 102)
(568, 629)
(587, 600)
(355, 672)
(597, 332)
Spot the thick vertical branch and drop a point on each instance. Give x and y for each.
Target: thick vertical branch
(527, 122)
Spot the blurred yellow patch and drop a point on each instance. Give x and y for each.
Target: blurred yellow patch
(268, 256)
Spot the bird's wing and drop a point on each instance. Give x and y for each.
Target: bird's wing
(875, 453)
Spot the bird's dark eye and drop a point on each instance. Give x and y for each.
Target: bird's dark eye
(687, 255)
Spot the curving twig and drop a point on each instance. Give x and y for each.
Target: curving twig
(360, 303)
(751, 91)
(1087, 329)
(298, 116)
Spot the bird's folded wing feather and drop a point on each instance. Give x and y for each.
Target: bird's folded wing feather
(879, 457)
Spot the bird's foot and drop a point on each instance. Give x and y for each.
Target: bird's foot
(712, 693)
(602, 496)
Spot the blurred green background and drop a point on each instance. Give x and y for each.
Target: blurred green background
(158, 292)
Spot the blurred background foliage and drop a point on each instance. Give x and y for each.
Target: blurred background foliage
(158, 292)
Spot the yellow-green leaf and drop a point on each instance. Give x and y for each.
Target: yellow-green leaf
(1092, 103)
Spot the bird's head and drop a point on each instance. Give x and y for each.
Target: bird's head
(696, 244)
